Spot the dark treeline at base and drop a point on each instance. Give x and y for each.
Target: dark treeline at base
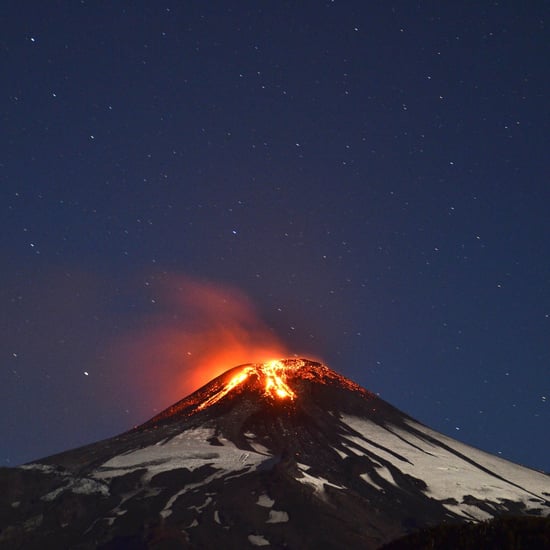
(505, 533)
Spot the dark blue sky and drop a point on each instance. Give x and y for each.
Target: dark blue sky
(364, 182)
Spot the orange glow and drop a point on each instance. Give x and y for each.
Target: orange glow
(271, 376)
(235, 381)
(275, 380)
(196, 331)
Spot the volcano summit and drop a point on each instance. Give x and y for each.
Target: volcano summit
(284, 454)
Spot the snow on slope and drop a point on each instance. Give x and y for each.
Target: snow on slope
(453, 473)
(456, 474)
(189, 449)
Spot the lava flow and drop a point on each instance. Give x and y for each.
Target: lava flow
(271, 375)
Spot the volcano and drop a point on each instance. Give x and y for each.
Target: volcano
(284, 454)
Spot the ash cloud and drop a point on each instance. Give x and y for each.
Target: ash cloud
(192, 331)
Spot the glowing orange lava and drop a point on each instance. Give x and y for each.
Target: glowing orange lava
(275, 380)
(271, 375)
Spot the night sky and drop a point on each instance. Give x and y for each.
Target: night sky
(187, 186)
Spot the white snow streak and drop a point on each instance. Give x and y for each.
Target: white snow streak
(277, 516)
(190, 450)
(446, 474)
(265, 501)
(258, 540)
(318, 483)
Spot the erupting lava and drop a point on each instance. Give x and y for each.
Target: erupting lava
(271, 375)
(276, 381)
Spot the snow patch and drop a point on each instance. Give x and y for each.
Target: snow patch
(34, 522)
(46, 468)
(318, 483)
(385, 473)
(260, 448)
(143, 493)
(258, 540)
(351, 448)
(81, 486)
(200, 508)
(277, 516)
(341, 454)
(469, 511)
(190, 450)
(88, 486)
(265, 501)
(370, 481)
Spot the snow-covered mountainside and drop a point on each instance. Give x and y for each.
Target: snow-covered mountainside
(287, 454)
